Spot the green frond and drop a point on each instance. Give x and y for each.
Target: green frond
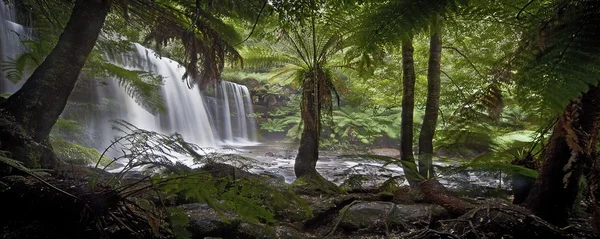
(392, 21)
(266, 57)
(564, 60)
(16, 68)
(208, 41)
(13, 163)
(287, 75)
(143, 87)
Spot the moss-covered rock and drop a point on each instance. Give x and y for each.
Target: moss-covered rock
(77, 154)
(315, 185)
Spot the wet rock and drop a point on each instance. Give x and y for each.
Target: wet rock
(385, 152)
(355, 183)
(269, 154)
(251, 230)
(421, 215)
(382, 216)
(205, 221)
(286, 232)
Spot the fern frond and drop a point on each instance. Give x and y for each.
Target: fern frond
(143, 87)
(564, 61)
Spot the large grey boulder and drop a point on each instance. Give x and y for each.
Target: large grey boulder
(382, 216)
(205, 222)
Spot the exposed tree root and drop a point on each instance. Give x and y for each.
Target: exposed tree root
(436, 193)
(497, 222)
(341, 217)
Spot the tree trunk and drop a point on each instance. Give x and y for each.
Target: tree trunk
(433, 102)
(408, 107)
(308, 152)
(571, 147)
(38, 104)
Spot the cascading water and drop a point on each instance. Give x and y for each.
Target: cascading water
(11, 36)
(188, 115)
(187, 112)
(233, 114)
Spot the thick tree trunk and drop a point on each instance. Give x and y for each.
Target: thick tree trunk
(38, 104)
(571, 147)
(308, 152)
(408, 107)
(433, 102)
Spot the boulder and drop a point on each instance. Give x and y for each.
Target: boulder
(287, 232)
(381, 216)
(205, 222)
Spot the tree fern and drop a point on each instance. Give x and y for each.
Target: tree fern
(561, 60)
(208, 41)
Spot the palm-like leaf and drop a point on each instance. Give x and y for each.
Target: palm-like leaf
(566, 56)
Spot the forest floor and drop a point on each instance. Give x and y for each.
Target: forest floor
(79, 202)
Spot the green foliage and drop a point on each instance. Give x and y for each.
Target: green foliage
(13, 163)
(252, 199)
(274, 125)
(18, 68)
(179, 220)
(392, 21)
(365, 126)
(140, 148)
(562, 62)
(143, 87)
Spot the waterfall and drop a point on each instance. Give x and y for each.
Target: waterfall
(187, 112)
(234, 116)
(11, 36)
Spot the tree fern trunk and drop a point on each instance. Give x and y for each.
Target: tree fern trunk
(38, 104)
(570, 151)
(433, 102)
(408, 107)
(308, 152)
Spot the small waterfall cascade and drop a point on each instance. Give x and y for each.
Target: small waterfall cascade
(186, 111)
(226, 119)
(234, 115)
(11, 36)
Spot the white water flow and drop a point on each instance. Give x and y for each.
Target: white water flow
(186, 111)
(235, 116)
(12, 36)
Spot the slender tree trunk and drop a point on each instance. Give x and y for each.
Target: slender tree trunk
(433, 102)
(571, 148)
(38, 104)
(308, 153)
(408, 107)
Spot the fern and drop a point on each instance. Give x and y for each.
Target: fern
(562, 59)
(5, 158)
(143, 87)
